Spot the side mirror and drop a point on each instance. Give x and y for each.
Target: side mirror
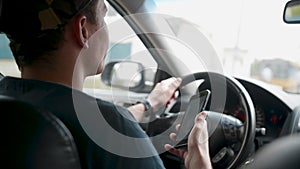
(291, 12)
(125, 75)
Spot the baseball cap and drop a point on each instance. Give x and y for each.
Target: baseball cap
(21, 19)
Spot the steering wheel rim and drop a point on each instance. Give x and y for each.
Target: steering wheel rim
(212, 81)
(218, 84)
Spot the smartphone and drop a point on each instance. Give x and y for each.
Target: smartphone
(196, 104)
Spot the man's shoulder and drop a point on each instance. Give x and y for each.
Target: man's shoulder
(20, 84)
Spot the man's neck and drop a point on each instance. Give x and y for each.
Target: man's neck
(59, 74)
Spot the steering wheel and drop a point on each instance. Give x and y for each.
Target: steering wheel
(231, 140)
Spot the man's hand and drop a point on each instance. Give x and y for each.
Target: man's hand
(164, 93)
(197, 155)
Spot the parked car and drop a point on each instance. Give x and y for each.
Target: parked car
(211, 45)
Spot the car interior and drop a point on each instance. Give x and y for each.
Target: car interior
(35, 138)
(268, 137)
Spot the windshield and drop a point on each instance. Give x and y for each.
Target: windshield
(249, 36)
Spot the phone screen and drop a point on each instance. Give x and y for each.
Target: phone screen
(196, 105)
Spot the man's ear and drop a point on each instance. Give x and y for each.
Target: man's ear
(81, 30)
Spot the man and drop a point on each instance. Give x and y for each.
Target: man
(56, 45)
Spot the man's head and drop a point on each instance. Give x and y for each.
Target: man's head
(37, 28)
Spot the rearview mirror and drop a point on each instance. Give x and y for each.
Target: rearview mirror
(291, 12)
(125, 75)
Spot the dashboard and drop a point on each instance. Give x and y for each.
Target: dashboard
(271, 112)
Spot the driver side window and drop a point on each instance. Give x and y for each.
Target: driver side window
(125, 45)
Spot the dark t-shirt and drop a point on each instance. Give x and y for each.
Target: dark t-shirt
(107, 136)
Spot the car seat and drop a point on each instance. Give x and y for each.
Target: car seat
(282, 153)
(33, 138)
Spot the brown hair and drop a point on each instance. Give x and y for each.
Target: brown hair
(33, 48)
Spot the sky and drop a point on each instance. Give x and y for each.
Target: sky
(256, 25)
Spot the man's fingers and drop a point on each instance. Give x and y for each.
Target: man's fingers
(177, 82)
(173, 136)
(177, 127)
(172, 82)
(174, 151)
(164, 93)
(176, 94)
(200, 118)
(199, 131)
(168, 147)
